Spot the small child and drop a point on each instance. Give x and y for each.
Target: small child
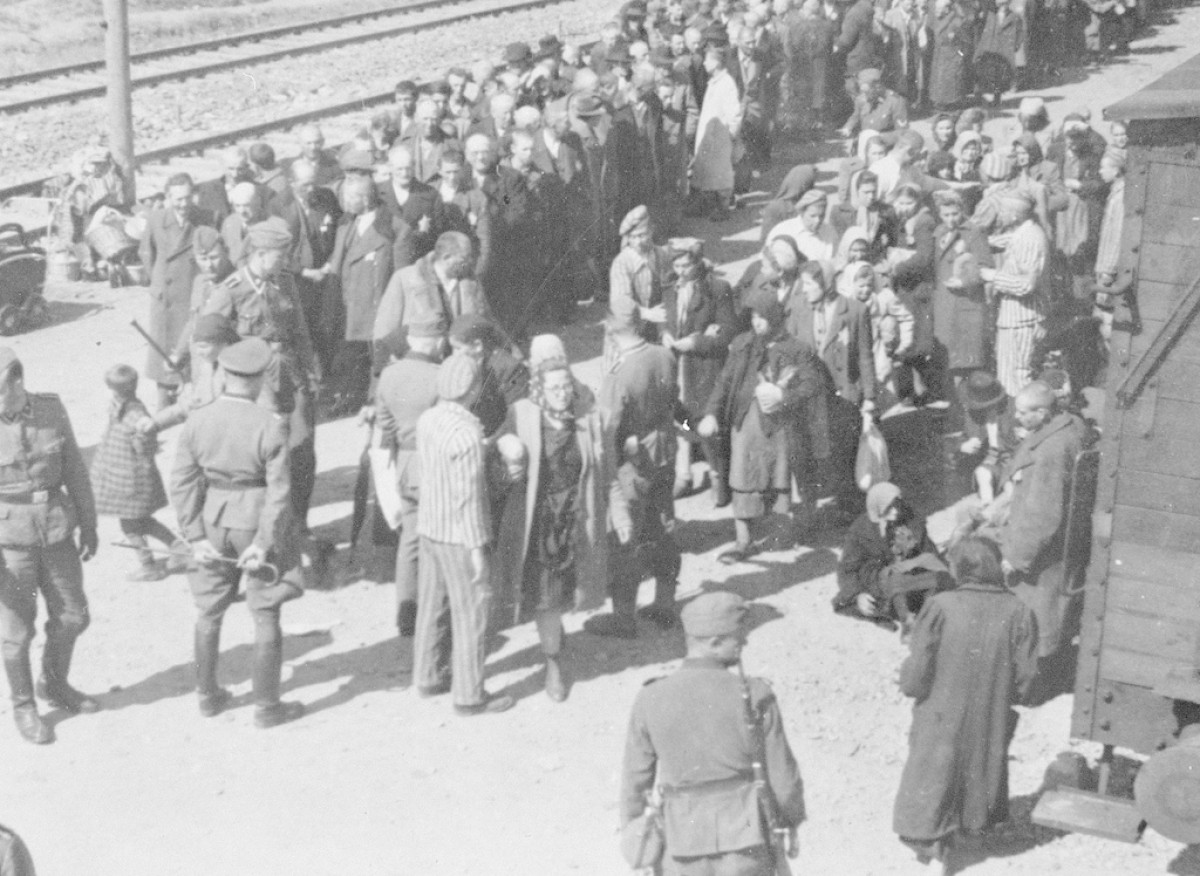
(892, 323)
(126, 480)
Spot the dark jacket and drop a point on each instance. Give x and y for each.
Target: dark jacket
(846, 352)
(409, 241)
(962, 317)
(857, 42)
(711, 304)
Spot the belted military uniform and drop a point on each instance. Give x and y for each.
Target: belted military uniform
(230, 484)
(688, 734)
(14, 857)
(271, 310)
(45, 495)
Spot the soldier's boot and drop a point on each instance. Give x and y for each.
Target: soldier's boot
(558, 683)
(180, 559)
(269, 711)
(213, 698)
(56, 666)
(25, 713)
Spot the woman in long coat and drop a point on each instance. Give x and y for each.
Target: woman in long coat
(950, 70)
(717, 135)
(760, 399)
(972, 657)
(999, 50)
(962, 320)
(553, 533)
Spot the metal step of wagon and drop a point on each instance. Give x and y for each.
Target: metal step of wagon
(1087, 812)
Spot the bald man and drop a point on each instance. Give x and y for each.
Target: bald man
(1039, 482)
(415, 208)
(213, 195)
(246, 209)
(324, 162)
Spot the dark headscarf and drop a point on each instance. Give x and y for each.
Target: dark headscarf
(765, 302)
(799, 180)
(1030, 144)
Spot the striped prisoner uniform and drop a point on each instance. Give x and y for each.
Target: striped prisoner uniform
(452, 518)
(1019, 283)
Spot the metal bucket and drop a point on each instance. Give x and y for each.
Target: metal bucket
(62, 267)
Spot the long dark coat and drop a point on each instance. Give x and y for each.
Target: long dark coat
(363, 266)
(914, 277)
(972, 657)
(167, 251)
(711, 305)
(949, 74)
(962, 320)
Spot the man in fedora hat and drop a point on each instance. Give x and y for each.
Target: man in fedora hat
(688, 736)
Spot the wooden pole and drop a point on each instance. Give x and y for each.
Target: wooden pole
(120, 102)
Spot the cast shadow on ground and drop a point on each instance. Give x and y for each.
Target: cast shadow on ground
(589, 656)
(1015, 837)
(1186, 863)
(235, 668)
(372, 667)
(61, 312)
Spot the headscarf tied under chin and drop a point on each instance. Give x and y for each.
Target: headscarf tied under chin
(764, 302)
(880, 498)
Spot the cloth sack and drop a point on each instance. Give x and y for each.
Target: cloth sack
(871, 467)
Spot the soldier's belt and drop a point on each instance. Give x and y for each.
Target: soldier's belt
(32, 497)
(235, 486)
(713, 787)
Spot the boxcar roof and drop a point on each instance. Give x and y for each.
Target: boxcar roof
(1173, 96)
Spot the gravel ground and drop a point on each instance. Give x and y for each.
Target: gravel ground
(43, 141)
(377, 781)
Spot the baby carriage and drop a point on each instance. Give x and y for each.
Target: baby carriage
(22, 276)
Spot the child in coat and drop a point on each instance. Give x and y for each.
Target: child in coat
(127, 482)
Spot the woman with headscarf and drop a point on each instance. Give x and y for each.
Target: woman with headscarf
(553, 539)
(871, 148)
(887, 528)
(1038, 177)
(814, 237)
(865, 210)
(760, 399)
(972, 657)
(798, 182)
(913, 271)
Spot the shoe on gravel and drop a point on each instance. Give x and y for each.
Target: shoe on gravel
(213, 704)
(266, 717)
(493, 705)
(60, 695)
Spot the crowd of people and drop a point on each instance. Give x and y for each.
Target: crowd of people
(418, 276)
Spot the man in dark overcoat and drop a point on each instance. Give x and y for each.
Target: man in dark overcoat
(166, 250)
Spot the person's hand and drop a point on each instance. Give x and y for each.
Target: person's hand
(867, 407)
(769, 397)
(145, 426)
(252, 558)
(656, 314)
(866, 604)
(1106, 279)
(624, 533)
(1007, 568)
(204, 551)
(315, 275)
(1072, 185)
(712, 331)
(987, 274)
(686, 345)
(953, 283)
(424, 224)
(89, 542)
(843, 132)
(707, 427)
(793, 843)
(479, 566)
(668, 341)
(366, 415)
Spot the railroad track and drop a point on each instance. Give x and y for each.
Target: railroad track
(17, 97)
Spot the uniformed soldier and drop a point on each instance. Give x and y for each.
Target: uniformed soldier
(689, 736)
(230, 488)
(261, 300)
(44, 495)
(14, 857)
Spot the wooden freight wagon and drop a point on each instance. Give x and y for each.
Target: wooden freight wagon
(1138, 681)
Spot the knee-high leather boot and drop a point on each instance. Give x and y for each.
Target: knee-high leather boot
(268, 661)
(25, 713)
(56, 665)
(213, 697)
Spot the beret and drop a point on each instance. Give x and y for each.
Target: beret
(121, 378)
(456, 376)
(206, 239)
(215, 328)
(634, 9)
(517, 53)
(271, 233)
(812, 196)
(638, 217)
(713, 614)
(869, 75)
(470, 327)
(248, 357)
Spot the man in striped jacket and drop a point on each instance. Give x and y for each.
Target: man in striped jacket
(1019, 282)
(454, 524)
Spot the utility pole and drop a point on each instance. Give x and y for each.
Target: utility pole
(120, 101)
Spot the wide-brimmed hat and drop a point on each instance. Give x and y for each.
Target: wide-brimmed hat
(983, 391)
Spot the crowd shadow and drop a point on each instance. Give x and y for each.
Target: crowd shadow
(60, 312)
(236, 666)
(1014, 837)
(367, 669)
(1186, 863)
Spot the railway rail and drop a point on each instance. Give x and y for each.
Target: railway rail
(289, 48)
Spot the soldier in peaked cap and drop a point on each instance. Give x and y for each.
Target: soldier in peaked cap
(261, 300)
(45, 494)
(230, 487)
(711, 817)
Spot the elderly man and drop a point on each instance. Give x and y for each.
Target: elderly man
(498, 124)
(45, 494)
(166, 251)
(638, 276)
(229, 487)
(311, 212)
(326, 169)
(454, 523)
(688, 735)
(1019, 282)
(1038, 480)
(438, 288)
(261, 301)
(212, 195)
(246, 206)
(876, 108)
(362, 263)
(414, 207)
(430, 142)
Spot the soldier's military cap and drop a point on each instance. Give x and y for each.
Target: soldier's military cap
(248, 357)
(271, 233)
(719, 613)
(215, 328)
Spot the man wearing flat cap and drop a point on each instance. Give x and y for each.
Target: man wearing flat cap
(45, 494)
(688, 735)
(638, 276)
(875, 108)
(230, 487)
(261, 301)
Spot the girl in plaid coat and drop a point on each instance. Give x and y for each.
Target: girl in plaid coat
(126, 480)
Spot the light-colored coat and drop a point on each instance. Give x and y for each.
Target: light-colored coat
(717, 138)
(601, 506)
